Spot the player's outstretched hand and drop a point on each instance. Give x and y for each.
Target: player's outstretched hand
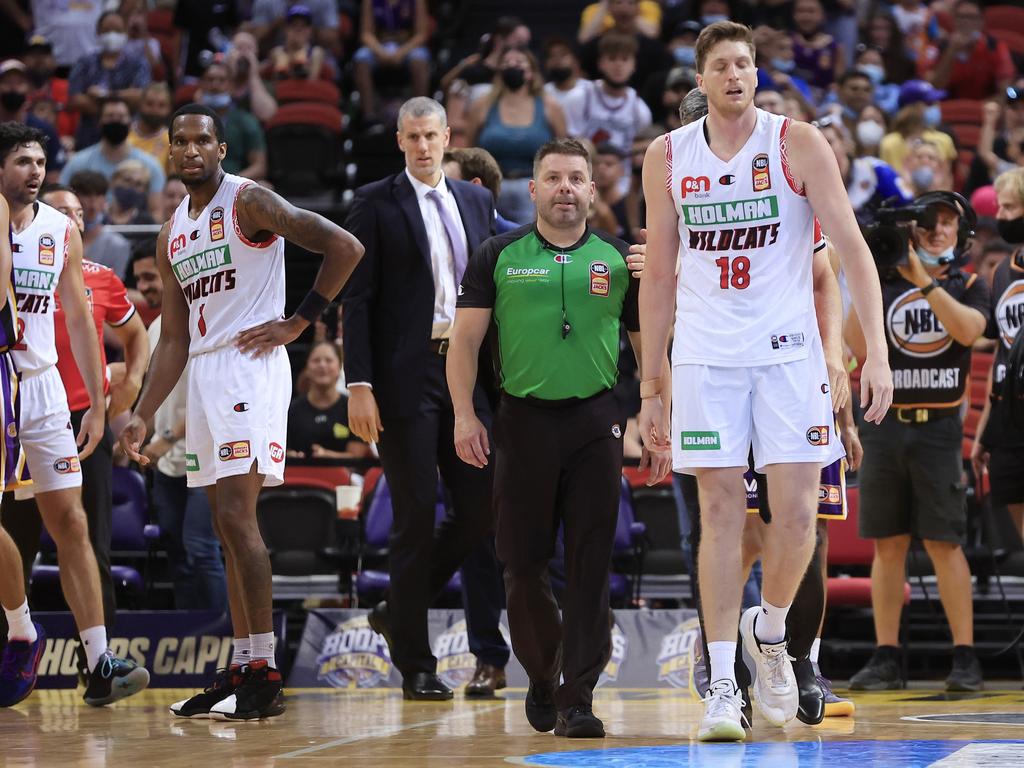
(262, 339)
(660, 465)
(94, 423)
(471, 443)
(876, 389)
(131, 439)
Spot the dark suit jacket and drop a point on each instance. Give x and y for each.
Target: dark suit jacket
(389, 300)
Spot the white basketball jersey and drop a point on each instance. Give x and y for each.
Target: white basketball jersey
(40, 252)
(746, 241)
(230, 283)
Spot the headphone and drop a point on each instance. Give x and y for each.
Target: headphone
(968, 219)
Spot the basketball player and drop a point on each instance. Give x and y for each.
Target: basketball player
(221, 256)
(47, 255)
(743, 189)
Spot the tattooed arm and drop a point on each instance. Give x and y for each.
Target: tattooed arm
(263, 214)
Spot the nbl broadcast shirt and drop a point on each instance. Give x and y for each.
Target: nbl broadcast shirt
(744, 293)
(40, 252)
(230, 283)
(929, 368)
(1005, 319)
(108, 303)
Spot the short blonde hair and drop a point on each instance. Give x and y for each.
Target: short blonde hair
(1011, 181)
(720, 32)
(131, 166)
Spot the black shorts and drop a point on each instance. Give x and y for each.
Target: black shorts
(1006, 475)
(911, 480)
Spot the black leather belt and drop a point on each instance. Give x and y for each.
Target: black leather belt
(923, 415)
(439, 346)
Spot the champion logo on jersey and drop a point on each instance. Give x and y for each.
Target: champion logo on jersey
(241, 407)
(46, 246)
(563, 258)
(824, 388)
(762, 179)
(194, 235)
(727, 180)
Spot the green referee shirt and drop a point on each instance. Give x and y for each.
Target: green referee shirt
(529, 283)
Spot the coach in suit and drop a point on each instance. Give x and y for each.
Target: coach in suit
(419, 229)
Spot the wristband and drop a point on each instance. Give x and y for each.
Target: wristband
(650, 388)
(930, 287)
(312, 306)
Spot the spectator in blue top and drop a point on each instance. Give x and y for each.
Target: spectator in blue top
(113, 148)
(871, 62)
(111, 71)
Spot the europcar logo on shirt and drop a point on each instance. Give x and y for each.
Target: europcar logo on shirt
(675, 659)
(67, 466)
(239, 449)
(600, 278)
(913, 327)
(353, 656)
(46, 246)
(1010, 312)
(620, 647)
(217, 223)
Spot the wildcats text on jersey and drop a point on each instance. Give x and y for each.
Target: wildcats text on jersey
(196, 285)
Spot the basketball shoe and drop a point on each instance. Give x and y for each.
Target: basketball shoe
(775, 690)
(114, 679)
(723, 714)
(18, 668)
(224, 684)
(835, 706)
(260, 694)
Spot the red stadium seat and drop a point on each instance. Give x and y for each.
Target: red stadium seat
(304, 148)
(1003, 17)
(961, 111)
(320, 91)
(967, 135)
(185, 93)
(971, 421)
(308, 113)
(1014, 38)
(323, 478)
(981, 364)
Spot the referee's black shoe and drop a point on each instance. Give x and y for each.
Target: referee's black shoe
(425, 686)
(579, 722)
(540, 706)
(811, 705)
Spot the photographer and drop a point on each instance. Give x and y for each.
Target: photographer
(911, 476)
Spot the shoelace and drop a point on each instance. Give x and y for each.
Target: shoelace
(775, 659)
(14, 659)
(106, 665)
(723, 703)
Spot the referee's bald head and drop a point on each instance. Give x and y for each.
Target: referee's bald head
(693, 107)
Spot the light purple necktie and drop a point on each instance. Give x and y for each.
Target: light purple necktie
(455, 238)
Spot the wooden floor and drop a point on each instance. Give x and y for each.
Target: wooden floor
(919, 727)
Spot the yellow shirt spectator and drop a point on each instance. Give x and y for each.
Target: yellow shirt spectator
(895, 147)
(649, 13)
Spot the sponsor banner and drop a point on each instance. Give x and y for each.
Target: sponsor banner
(181, 649)
(650, 649)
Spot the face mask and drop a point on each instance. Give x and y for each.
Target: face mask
(869, 133)
(112, 42)
(930, 260)
(1011, 230)
(784, 65)
(514, 78)
(128, 198)
(217, 101)
(686, 55)
(12, 101)
(922, 177)
(151, 121)
(114, 133)
(560, 74)
(711, 18)
(875, 72)
(932, 115)
(38, 78)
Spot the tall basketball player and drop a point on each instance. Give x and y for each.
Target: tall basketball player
(47, 255)
(733, 196)
(221, 256)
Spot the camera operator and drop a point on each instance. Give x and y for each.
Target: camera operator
(911, 476)
(999, 445)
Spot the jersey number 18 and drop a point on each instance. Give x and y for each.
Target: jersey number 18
(740, 269)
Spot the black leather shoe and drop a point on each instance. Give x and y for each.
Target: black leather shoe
(540, 706)
(579, 722)
(425, 686)
(486, 680)
(811, 707)
(379, 620)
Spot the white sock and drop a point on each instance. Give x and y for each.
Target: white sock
(95, 641)
(19, 623)
(243, 651)
(770, 626)
(723, 661)
(815, 648)
(263, 648)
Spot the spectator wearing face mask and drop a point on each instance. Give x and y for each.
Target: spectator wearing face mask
(14, 107)
(247, 147)
(776, 68)
(149, 128)
(566, 83)
(101, 245)
(969, 64)
(651, 54)
(871, 62)
(128, 194)
(111, 71)
(923, 169)
(854, 91)
(918, 118)
(70, 26)
(41, 69)
(871, 128)
(112, 149)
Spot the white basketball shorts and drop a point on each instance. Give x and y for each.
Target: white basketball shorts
(784, 411)
(236, 412)
(46, 435)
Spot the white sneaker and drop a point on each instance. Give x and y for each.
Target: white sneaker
(774, 689)
(723, 714)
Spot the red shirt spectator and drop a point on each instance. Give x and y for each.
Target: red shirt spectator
(970, 64)
(109, 303)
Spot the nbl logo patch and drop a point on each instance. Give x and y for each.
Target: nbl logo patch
(217, 223)
(67, 466)
(239, 449)
(818, 435)
(600, 278)
(761, 178)
(46, 247)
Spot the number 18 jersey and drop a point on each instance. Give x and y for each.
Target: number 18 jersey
(746, 241)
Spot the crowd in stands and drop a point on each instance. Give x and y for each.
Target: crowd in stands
(913, 96)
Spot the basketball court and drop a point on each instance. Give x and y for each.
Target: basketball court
(372, 729)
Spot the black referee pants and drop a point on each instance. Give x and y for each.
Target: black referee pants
(558, 466)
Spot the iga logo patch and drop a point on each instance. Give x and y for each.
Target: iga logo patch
(217, 223)
(759, 173)
(239, 449)
(818, 435)
(830, 494)
(276, 453)
(600, 278)
(67, 466)
(46, 246)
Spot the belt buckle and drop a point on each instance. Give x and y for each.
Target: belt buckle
(921, 415)
(442, 346)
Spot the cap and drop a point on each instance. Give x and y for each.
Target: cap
(299, 11)
(607, 148)
(914, 91)
(39, 42)
(11, 65)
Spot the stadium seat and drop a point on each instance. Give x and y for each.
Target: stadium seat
(961, 111)
(295, 90)
(1004, 17)
(304, 148)
(967, 134)
(186, 93)
(1013, 37)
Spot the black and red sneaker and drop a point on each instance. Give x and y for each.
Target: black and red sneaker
(223, 685)
(260, 694)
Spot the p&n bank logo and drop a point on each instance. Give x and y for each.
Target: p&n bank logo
(695, 186)
(353, 656)
(455, 664)
(675, 658)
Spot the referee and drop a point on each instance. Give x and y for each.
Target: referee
(557, 292)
